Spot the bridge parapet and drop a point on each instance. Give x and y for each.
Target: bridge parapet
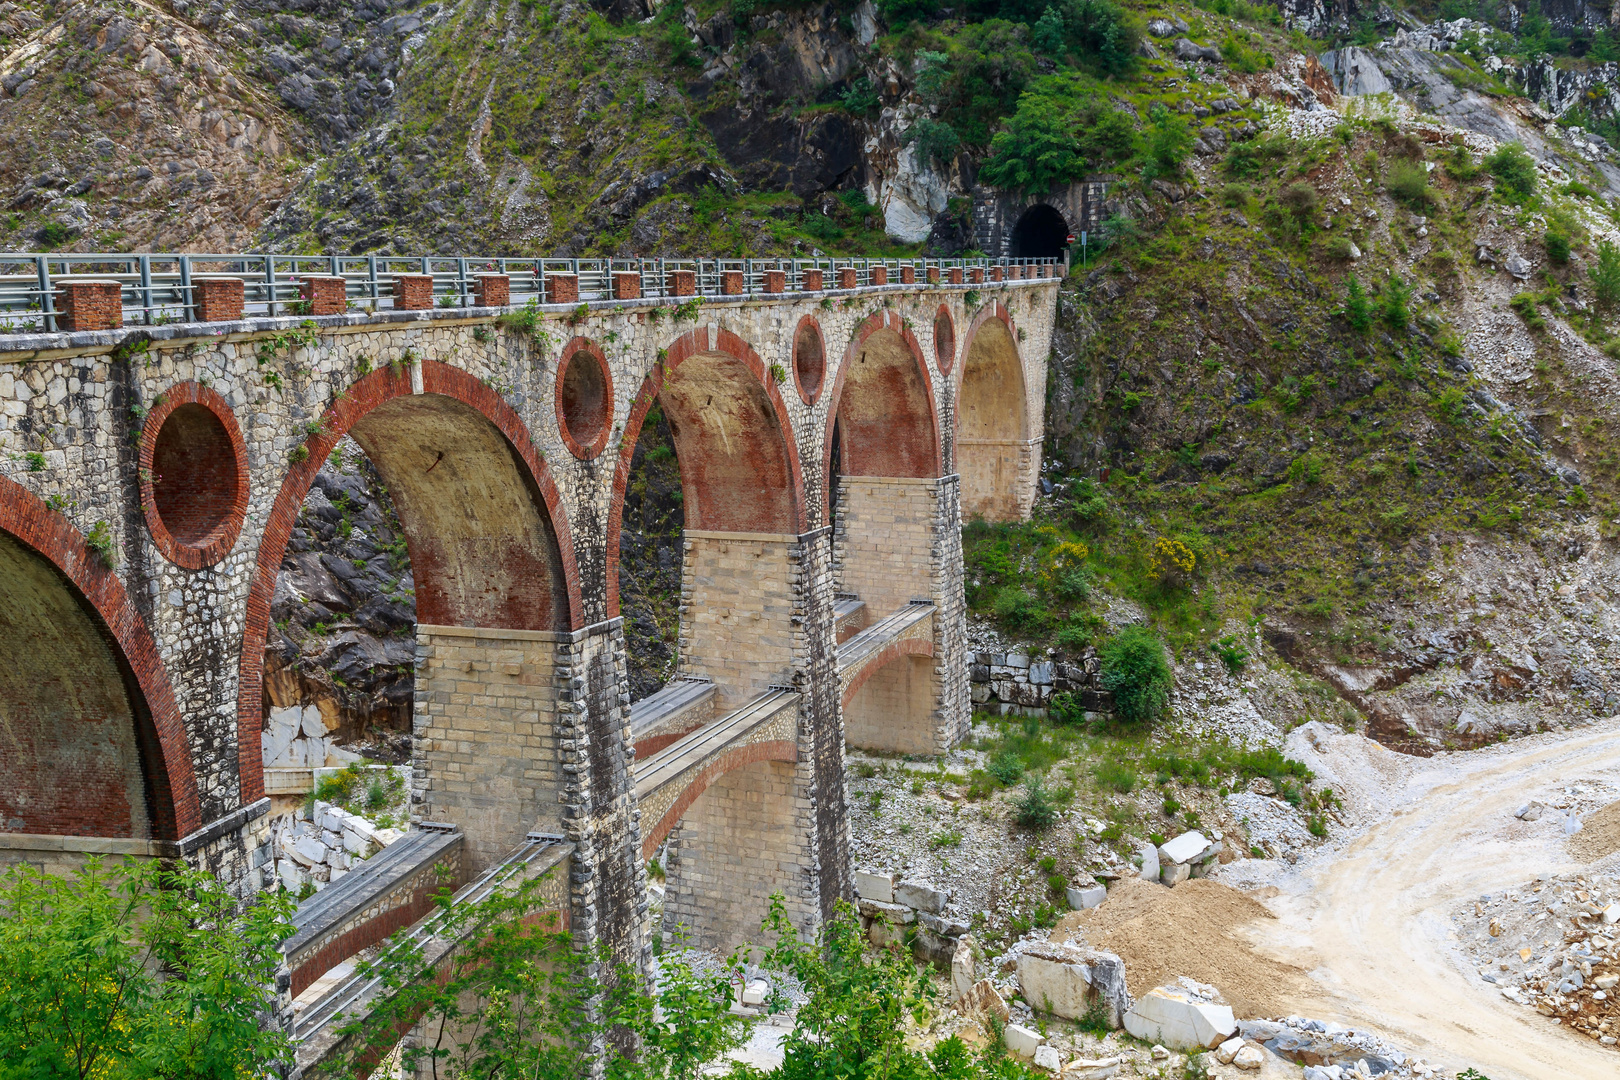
(387, 892)
(49, 290)
(319, 1032)
(662, 718)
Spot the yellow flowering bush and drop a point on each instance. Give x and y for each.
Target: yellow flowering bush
(1171, 561)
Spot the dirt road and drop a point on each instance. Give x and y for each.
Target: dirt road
(1372, 924)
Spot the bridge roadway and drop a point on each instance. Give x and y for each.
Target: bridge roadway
(164, 418)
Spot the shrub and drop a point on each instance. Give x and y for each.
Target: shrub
(1236, 195)
(1301, 201)
(1035, 809)
(1606, 274)
(1557, 246)
(1341, 248)
(1305, 469)
(1357, 308)
(1408, 183)
(1166, 142)
(1396, 303)
(934, 140)
(1006, 767)
(1171, 562)
(1515, 172)
(1135, 671)
(1017, 609)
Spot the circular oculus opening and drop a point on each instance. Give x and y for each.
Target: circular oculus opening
(944, 340)
(809, 362)
(195, 476)
(585, 403)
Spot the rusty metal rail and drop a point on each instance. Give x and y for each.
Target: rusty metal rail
(161, 288)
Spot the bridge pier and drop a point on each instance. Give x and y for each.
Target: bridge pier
(527, 731)
(770, 818)
(898, 541)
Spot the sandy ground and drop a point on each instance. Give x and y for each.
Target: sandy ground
(1369, 920)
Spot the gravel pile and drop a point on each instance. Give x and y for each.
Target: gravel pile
(1552, 945)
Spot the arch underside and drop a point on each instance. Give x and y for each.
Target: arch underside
(79, 755)
(992, 427)
(482, 548)
(889, 704)
(885, 413)
(736, 474)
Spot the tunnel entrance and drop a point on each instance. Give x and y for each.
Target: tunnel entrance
(1041, 233)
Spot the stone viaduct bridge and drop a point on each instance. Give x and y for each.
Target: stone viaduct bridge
(833, 420)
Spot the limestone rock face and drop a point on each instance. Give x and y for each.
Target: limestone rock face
(1176, 1017)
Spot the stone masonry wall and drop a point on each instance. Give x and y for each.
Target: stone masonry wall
(736, 613)
(486, 736)
(71, 411)
(883, 540)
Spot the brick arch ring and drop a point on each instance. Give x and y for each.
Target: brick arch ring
(880, 320)
(25, 517)
(881, 659)
(367, 394)
(211, 548)
(786, 750)
(693, 343)
(587, 450)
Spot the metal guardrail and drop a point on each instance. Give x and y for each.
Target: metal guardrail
(160, 288)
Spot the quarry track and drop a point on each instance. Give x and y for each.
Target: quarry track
(1370, 922)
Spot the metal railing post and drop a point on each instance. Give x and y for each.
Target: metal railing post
(47, 303)
(146, 291)
(461, 281)
(270, 283)
(187, 300)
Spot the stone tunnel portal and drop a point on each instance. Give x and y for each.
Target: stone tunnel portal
(1040, 233)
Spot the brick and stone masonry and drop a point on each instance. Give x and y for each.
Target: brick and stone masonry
(562, 288)
(492, 290)
(811, 280)
(626, 285)
(846, 277)
(325, 295)
(523, 703)
(89, 305)
(681, 283)
(731, 282)
(775, 281)
(218, 299)
(413, 292)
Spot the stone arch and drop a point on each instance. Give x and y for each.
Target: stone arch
(888, 426)
(732, 483)
(891, 652)
(653, 835)
(65, 608)
(992, 431)
(485, 463)
(1041, 232)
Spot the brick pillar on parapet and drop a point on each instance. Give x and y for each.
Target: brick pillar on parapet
(756, 612)
(520, 731)
(899, 540)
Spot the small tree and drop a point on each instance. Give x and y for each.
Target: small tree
(1397, 303)
(1515, 171)
(1301, 201)
(1606, 274)
(1035, 809)
(138, 971)
(1166, 142)
(1135, 671)
(1357, 308)
(854, 1023)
